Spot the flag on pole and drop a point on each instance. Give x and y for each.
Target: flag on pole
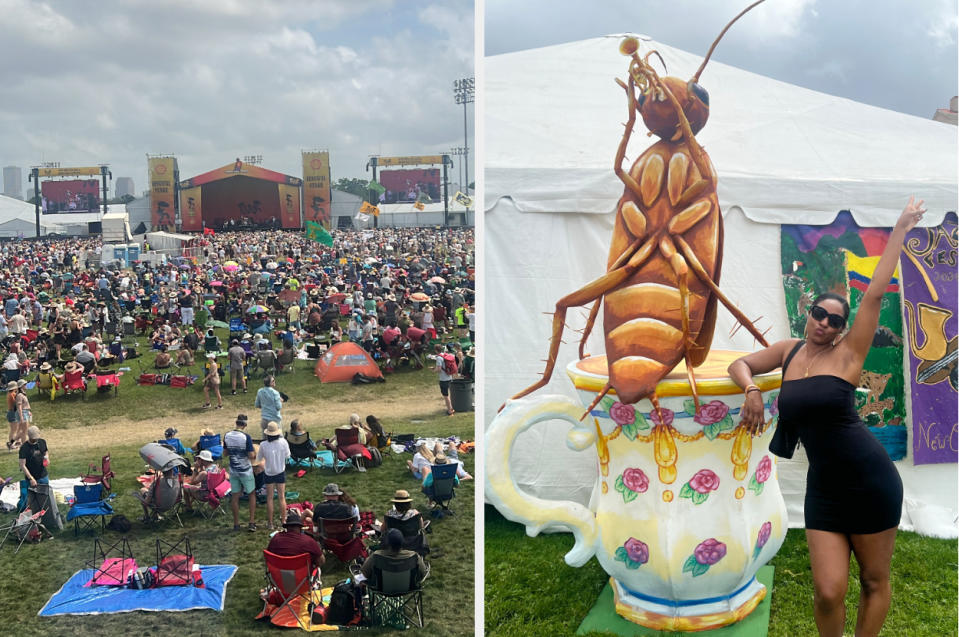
(419, 205)
(464, 200)
(316, 232)
(368, 208)
(379, 188)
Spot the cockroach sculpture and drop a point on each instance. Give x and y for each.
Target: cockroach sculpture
(668, 223)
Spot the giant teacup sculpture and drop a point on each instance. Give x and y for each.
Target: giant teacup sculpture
(672, 522)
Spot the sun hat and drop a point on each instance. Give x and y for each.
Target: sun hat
(12, 385)
(33, 432)
(332, 489)
(22, 382)
(205, 455)
(292, 519)
(401, 495)
(45, 367)
(440, 458)
(272, 429)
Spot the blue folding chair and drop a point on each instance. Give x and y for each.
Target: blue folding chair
(443, 489)
(88, 506)
(214, 444)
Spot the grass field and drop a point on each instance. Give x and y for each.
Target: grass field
(79, 432)
(529, 589)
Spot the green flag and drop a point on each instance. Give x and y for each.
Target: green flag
(316, 232)
(377, 187)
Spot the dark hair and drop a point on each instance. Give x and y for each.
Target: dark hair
(272, 438)
(402, 507)
(832, 296)
(267, 380)
(345, 497)
(374, 424)
(394, 539)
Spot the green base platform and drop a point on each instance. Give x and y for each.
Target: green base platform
(602, 618)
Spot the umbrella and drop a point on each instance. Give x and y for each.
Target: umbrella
(290, 260)
(184, 266)
(336, 298)
(419, 296)
(216, 284)
(230, 263)
(254, 309)
(437, 279)
(231, 268)
(161, 457)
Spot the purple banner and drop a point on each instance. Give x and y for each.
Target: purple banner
(929, 303)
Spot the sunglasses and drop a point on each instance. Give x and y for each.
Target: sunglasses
(835, 321)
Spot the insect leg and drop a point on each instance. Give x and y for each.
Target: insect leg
(590, 292)
(678, 263)
(593, 313)
(705, 278)
(621, 151)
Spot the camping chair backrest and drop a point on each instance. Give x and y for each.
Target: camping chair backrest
(342, 530)
(443, 481)
(236, 325)
(45, 380)
(289, 574)
(394, 576)
(300, 445)
(211, 343)
(214, 443)
(73, 379)
(409, 527)
(85, 493)
(346, 437)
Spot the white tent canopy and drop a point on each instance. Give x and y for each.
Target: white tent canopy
(17, 218)
(783, 154)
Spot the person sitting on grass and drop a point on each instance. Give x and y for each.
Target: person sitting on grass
(422, 460)
(163, 359)
(378, 437)
(184, 358)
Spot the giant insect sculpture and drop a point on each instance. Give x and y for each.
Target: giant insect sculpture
(668, 222)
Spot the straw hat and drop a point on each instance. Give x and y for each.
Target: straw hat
(272, 429)
(12, 385)
(72, 366)
(401, 495)
(45, 367)
(440, 458)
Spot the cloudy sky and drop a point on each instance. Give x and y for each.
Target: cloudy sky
(888, 53)
(209, 80)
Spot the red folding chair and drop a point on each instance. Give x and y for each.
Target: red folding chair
(342, 538)
(75, 382)
(217, 488)
(292, 590)
(105, 475)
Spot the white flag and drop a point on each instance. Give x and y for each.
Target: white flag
(362, 217)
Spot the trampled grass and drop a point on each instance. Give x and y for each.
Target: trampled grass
(529, 590)
(408, 402)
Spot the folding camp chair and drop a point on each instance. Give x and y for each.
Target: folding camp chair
(155, 512)
(175, 568)
(47, 384)
(286, 359)
(396, 598)
(75, 382)
(109, 570)
(348, 448)
(217, 488)
(9, 375)
(87, 507)
(414, 537)
(41, 498)
(292, 590)
(105, 475)
(236, 328)
(302, 449)
(213, 444)
(342, 538)
(442, 491)
(325, 459)
(26, 526)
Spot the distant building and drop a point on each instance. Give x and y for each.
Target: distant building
(124, 186)
(947, 115)
(13, 182)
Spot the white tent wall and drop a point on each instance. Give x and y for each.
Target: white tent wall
(549, 167)
(18, 218)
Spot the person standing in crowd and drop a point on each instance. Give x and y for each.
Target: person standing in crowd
(237, 358)
(238, 445)
(212, 382)
(270, 403)
(34, 459)
(439, 366)
(274, 452)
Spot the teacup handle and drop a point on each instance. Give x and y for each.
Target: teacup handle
(536, 513)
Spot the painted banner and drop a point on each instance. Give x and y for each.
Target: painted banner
(191, 208)
(929, 288)
(289, 205)
(369, 209)
(841, 258)
(316, 187)
(162, 210)
(81, 171)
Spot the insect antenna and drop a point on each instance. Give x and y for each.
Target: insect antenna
(720, 37)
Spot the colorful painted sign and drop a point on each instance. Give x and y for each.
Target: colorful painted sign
(841, 258)
(289, 205)
(191, 208)
(317, 187)
(162, 211)
(930, 305)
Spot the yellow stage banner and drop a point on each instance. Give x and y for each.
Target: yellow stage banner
(414, 160)
(316, 187)
(191, 209)
(289, 206)
(161, 172)
(69, 172)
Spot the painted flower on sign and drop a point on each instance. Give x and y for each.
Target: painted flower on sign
(706, 554)
(700, 485)
(662, 416)
(622, 414)
(714, 416)
(631, 483)
(764, 532)
(713, 411)
(634, 553)
(763, 471)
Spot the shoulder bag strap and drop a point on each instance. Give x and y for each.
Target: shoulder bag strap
(791, 354)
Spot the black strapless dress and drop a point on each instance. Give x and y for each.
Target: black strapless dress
(851, 486)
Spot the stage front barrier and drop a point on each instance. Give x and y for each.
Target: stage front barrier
(686, 506)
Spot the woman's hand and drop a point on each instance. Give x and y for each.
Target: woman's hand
(751, 414)
(911, 214)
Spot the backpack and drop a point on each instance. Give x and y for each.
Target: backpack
(449, 364)
(119, 523)
(375, 460)
(345, 605)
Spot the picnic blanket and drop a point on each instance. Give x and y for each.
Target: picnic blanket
(75, 598)
(297, 613)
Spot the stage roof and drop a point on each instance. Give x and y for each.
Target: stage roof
(246, 170)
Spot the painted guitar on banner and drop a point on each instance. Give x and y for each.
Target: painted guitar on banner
(668, 223)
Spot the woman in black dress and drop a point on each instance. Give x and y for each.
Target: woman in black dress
(853, 491)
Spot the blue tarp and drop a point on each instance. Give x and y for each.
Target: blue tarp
(75, 598)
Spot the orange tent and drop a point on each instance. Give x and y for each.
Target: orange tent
(342, 361)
